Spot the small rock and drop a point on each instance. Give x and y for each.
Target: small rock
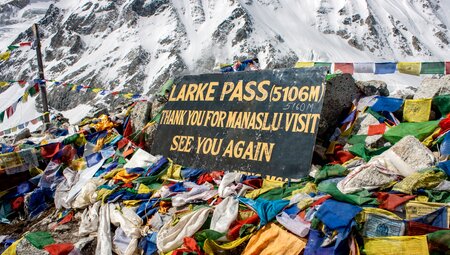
(373, 87)
(432, 87)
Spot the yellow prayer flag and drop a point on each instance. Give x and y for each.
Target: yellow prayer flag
(3, 83)
(128, 95)
(417, 110)
(409, 67)
(5, 55)
(96, 90)
(396, 245)
(304, 64)
(12, 249)
(25, 97)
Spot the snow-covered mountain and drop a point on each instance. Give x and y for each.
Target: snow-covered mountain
(136, 45)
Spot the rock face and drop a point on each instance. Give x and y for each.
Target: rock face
(432, 87)
(373, 87)
(340, 92)
(140, 115)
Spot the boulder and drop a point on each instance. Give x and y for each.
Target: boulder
(140, 115)
(406, 93)
(373, 87)
(341, 90)
(432, 87)
(410, 154)
(24, 133)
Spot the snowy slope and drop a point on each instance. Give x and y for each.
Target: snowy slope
(136, 45)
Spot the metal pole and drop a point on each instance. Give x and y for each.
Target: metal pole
(41, 76)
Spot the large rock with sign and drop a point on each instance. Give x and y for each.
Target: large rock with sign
(262, 122)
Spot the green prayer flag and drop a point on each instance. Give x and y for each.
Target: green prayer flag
(358, 198)
(166, 87)
(40, 239)
(355, 139)
(2, 116)
(419, 130)
(433, 68)
(326, 64)
(361, 151)
(442, 102)
(210, 234)
(32, 91)
(12, 47)
(329, 171)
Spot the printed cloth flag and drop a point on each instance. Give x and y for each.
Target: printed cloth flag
(2, 116)
(344, 67)
(34, 121)
(447, 67)
(5, 55)
(445, 145)
(394, 245)
(4, 83)
(412, 68)
(385, 68)
(442, 102)
(387, 104)
(13, 47)
(377, 225)
(433, 68)
(363, 67)
(325, 64)
(304, 64)
(11, 109)
(25, 96)
(376, 129)
(23, 44)
(417, 110)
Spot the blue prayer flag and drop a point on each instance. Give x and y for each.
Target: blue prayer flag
(385, 68)
(387, 104)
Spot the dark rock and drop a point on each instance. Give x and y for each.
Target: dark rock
(340, 92)
(373, 87)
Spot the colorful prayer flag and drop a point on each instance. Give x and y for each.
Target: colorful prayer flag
(4, 83)
(326, 64)
(417, 110)
(2, 116)
(304, 64)
(363, 67)
(344, 67)
(387, 104)
(5, 55)
(12, 47)
(378, 129)
(22, 44)
(433, 68)
(447, 67)
(412, 68)
(385, 68)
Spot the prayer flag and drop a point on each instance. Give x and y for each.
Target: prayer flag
(344, 67)
(376, 129)
(385, 68)
(412, 68)
(387, 104)
(5, 55)
(433, 68)
(304, 64)
(363, 67)
(417, 110)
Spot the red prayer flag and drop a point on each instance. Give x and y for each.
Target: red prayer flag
(59, 248)
(34, 121)
(10, 110)
(50, 150)
(447, 67)
(377, 129)
(344, 67)
(22, 44)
